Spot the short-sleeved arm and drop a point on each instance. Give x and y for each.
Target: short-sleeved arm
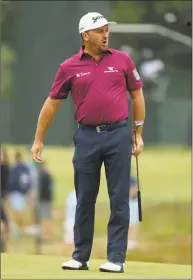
(132, 76)
(61, 85)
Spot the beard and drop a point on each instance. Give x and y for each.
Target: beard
(102, 48)
(98, 48)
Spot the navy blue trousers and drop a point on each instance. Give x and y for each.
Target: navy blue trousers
(91, 150)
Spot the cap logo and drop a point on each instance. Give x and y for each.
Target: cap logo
(97, 18)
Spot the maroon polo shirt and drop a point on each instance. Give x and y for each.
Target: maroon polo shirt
(98, 89)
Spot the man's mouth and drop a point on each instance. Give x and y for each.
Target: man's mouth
(104, 43)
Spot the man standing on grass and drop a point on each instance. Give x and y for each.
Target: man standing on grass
(98, 78)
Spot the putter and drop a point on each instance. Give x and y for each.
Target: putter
(138, 188)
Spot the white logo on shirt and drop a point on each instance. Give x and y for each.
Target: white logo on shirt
(136, 74)
(110, 69)
(82, 74)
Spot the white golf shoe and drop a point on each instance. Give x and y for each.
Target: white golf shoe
(112, 267)
(75, 265)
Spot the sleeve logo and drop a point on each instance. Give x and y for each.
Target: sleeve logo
(136, 74)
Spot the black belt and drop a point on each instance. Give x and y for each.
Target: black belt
(104, 127)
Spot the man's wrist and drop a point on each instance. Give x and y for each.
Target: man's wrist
(138, 129)
(139, 123)
(37, 140)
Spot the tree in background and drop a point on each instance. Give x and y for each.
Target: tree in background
(7, 75)
(7, 22)
(7, 51)
(154, 12)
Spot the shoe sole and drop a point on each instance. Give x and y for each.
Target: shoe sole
(73, 268)
(111, 271)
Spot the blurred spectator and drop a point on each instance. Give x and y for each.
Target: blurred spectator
(153, 73)
(151, 67)
(45, 200)
(4, 192)
(33, 167)
(4, 173)
(4, 230)
(69, 218)
(19, 186)
(134, 216)
(155, 84)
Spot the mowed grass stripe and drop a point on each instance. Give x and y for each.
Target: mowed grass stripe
(21, 266)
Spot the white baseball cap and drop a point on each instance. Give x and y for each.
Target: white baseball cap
(92, 21)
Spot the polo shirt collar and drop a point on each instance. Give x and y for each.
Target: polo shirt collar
(82, 53)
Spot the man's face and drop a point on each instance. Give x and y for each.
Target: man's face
(98, 39)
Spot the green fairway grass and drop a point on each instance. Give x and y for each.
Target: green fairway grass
(21, 266)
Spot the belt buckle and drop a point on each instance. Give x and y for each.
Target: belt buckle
(98, 128)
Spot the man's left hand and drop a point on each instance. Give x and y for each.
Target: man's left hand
(137, 144)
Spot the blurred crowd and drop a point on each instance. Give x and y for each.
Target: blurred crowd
(27, 195)
(25, 188)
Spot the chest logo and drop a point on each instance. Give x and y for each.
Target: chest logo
(110, 69)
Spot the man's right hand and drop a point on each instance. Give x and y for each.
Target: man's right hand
(36, 151)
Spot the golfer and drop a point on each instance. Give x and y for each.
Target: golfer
(98, 79)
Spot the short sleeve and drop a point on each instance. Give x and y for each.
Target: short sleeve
(61, 85)
(132, 76)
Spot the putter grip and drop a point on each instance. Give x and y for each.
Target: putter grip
(139, 205)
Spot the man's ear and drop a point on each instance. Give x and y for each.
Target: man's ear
(84, 36)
